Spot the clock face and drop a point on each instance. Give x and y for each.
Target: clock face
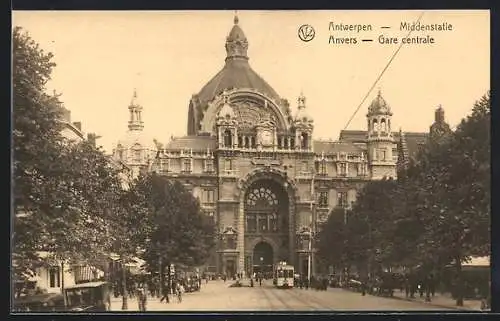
(266, 138)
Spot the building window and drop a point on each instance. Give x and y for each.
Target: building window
(343, 169)
(304, 141)
(305, 168)
(261, 208)
(208, 196)
(166, 165)
(322, 167)
(209, 165)
(361, 169)
(343, 199)
(251, 225)
(228, 139)
(323, 199)
(137, 156)
(186, 165)
(228, 166)
(231, 242)
(54, 277)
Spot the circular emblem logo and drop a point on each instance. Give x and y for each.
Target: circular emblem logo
(306, 33)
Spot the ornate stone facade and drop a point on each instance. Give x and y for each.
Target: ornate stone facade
(259, 173)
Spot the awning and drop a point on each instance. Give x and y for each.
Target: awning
(478, 261)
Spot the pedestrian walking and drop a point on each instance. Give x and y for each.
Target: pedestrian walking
(141, 297)
(166, 291)
(180, 291)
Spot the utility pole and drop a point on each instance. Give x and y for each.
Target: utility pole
(160, 273)
(124, 285)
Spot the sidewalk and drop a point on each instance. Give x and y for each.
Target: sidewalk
(443, 300)
(191, 301)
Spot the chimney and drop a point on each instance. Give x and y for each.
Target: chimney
(66, 114)
(78, 125)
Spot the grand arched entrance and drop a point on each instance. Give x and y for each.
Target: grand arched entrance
(266, 220)
(263, 257)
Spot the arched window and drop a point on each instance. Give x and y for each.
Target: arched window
(261, 208)
(247, 142)
(228, 138)
(305, 141)
(375, 125)
(383, 127)
(240, 141)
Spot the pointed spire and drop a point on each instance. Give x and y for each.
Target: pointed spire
(133, 102)
(439, 114)
(403, 155)
(301, 101)
(135, 110)
(236, 20)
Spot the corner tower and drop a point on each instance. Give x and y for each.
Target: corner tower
(134, 150)
(380, 141)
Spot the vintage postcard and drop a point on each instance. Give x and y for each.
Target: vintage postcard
(251, 161)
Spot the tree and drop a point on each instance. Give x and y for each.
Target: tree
(36, 148)
(61, 188)
(371, 228)
(450, 183)
(459, 212)
(332, 239)
(179, 232)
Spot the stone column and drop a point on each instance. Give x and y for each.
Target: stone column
(241, 236)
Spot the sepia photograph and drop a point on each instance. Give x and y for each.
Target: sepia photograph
(279, 160)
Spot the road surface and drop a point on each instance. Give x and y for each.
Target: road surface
(218, 296)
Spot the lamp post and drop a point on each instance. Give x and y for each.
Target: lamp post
(124, 284)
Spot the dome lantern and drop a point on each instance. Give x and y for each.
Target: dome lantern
(302, 115)
(236, 42)
(379, 106)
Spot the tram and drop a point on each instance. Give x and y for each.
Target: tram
(283, 275)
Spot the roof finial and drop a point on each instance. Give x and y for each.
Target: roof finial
(134, 98)
(236, 20)
(379, 92)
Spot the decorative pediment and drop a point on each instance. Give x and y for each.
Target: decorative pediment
(229, 230)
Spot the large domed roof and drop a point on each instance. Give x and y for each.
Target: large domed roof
(236, 72)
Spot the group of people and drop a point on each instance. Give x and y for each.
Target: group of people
(176, 290)
(317, 283)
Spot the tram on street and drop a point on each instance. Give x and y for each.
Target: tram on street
(283, 275)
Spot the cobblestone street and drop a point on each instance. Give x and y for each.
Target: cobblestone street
(217, 296)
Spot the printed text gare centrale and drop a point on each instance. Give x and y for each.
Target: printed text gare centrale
(339, 30)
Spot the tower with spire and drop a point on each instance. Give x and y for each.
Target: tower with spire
(403, 155)
(135, 122)
(304, 125)
(380, 141)
(134, 150)
(440, 127)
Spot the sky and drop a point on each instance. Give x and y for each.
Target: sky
(167, 56)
